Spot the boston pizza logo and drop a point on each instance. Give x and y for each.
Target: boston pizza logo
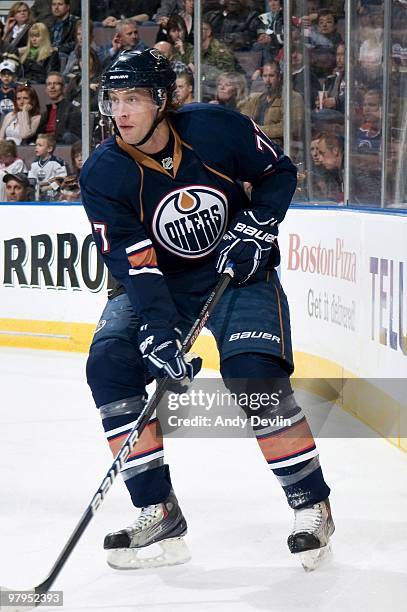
(191, 221)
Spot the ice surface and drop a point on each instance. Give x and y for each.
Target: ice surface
(53, 456)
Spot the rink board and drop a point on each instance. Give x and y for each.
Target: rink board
(344, 271)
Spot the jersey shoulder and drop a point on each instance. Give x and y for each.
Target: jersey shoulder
(213, 116)
(106, 168)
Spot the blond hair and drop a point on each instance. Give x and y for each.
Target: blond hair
(44, 48)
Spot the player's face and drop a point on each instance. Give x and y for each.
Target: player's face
(15, 191)
(134, 112)
(41, 147)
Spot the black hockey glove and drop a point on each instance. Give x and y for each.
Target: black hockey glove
(160, 347)
(247, 243)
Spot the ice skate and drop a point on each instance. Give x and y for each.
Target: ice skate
(310, 537)
(159, 526)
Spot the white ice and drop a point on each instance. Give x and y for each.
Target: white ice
(53, 456)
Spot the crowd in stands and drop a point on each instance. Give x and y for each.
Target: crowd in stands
(241, 68)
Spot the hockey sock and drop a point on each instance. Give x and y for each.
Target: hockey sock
(145, 475)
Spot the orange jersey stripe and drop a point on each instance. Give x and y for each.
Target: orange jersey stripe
(298, 439)
(150, 439)
(147, 257)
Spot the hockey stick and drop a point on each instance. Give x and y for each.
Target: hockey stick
(123, 454)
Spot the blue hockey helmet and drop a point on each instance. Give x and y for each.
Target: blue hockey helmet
(147, 69)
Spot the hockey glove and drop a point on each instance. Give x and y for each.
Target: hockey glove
(247, 243)
(160, 347)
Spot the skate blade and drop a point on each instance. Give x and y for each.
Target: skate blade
(312, 559)
(174, 551)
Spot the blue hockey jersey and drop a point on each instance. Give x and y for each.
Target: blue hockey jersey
(152, 225)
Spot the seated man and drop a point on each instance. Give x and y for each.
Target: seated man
(61, 117)
(126, 38)
(18, 188)
(266, 108)
(62, 27)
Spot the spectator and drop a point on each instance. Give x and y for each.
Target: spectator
(10, 163)
(330, 154)
(62, 28)
(76, 158)
(167, 49)
(234, 23)
(324, 39)
(59, 117)
(72, 64)
(126, 38)
(215, 53)
(73, 91)
(298, 75)
(335, 83)
(370, 57)
(177, 36)
(21, 124)
(46, 167)
(7, 87)
(38, 58)
(216, 58)
(369, 134)
(166, 9)
(136, 10)
(17, 187)
(266, 108)
(314, 151)
(270, 32)
(18, 23)
(231, 89)
(41, 9)
(69, 190)
(187, 15)
(184, 91)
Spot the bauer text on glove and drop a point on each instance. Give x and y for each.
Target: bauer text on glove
(248, 244)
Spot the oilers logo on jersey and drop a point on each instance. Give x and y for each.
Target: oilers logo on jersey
(190, 221)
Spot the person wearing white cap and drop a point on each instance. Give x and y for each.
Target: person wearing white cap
(7, 87)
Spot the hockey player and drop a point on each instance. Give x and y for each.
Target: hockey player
(165, 200)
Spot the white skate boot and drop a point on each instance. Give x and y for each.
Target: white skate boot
(162, 524)
(313, 527)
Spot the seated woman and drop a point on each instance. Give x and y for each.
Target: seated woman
(231, 89)
(18, 23)
(21, 124)
(38, 58)
(177, 35)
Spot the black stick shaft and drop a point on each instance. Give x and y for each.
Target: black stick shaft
(132, 438)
